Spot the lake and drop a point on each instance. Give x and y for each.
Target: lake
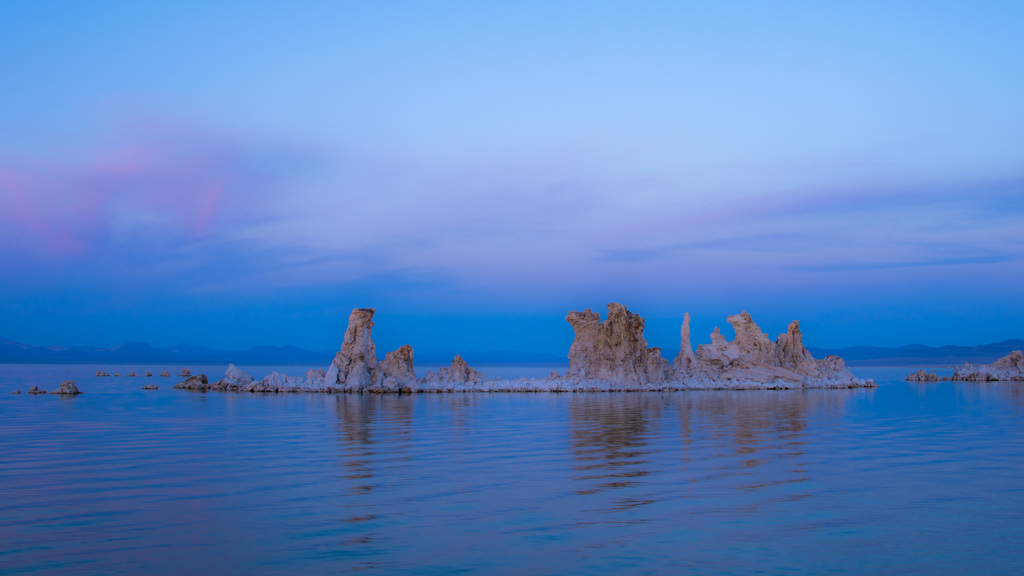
(908, 478)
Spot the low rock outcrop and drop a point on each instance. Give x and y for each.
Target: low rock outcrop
(198, 382)
(150, 387)
(36, 390)
(234, 379)
(922, 376)
(459, 373)
(185, 373)
(131, 374)
(101, 374)
(165, 374)
(148, 374)
(67, 388)
(1008, 368)
(16, 392)
(396, 371)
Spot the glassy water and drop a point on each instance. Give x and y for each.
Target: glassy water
(904, 479)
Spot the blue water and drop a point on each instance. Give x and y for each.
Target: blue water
(904, 479)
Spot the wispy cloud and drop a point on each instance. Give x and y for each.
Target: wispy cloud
(180, 211)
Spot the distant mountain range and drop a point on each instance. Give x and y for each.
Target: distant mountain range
(915, 354)
(12, 352)
(141, 352)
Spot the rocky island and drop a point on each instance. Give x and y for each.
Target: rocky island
(1009, 368)
(609, 355)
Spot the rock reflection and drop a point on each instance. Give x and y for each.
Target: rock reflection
(375, 434)
(609, 438)
(994, 393)
(361, 417)
(734, 441)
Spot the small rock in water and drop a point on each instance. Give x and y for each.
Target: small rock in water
(165, 374)
(101, 373)
(150, 387)
(16, 392)
(35, 390)
(148, 373)
(185, 373)
(67, 388)
(131, 374)
(117, 373)
(194, 383)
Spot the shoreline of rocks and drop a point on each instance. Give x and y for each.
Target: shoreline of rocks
(1009, 368)
(610, 355)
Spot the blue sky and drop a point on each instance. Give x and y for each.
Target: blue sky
(247, 173)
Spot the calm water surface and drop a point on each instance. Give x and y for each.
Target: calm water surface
(904, 479)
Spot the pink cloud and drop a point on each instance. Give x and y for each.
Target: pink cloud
(69, 208)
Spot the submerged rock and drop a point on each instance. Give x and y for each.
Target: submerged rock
(1009, 368)
(67, 388)
(101, 373)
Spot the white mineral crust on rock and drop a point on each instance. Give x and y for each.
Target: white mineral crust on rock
(686, 358)
(235, 376)
(752, 357)
(355, 364)
(459, 375)
(396, 371)
(613, 350)
(605, 356)
(1008, 368)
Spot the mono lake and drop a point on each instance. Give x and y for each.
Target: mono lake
(907, 478)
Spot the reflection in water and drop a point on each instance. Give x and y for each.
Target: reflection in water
(370, 461)
(1004, 393)
(748, 441)
(609, 439)
(902, 479)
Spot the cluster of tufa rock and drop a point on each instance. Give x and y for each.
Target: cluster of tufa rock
(615, 351)
(1009, 368)
(66, 388)
(605, 355)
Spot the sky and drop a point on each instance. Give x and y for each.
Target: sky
(236, 174)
